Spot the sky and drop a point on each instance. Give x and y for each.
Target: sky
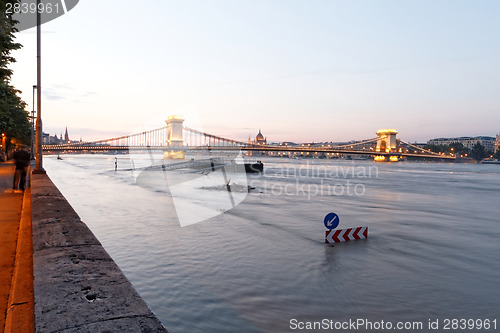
(300, 70)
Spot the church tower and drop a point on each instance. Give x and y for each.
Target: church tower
(66, 136)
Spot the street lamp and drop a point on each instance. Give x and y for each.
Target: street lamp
(33, 126)
(39, 165)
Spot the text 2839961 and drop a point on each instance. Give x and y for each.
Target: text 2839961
(32, 8)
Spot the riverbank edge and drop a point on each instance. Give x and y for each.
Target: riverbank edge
(77, 285)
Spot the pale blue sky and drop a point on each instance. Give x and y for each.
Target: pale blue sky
(315, 70)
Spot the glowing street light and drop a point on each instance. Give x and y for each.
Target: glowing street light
(3, 150)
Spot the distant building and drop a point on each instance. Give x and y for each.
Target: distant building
(48, 139)
(487, 142)
(260, 139)
(45, 138)
(287, 144)
(497, 143)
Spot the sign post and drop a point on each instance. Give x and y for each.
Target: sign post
(331, 221)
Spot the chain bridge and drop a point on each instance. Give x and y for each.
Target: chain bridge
(176, 140)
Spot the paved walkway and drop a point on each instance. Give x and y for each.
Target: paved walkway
(16, 265)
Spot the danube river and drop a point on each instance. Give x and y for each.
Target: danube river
(257, 262)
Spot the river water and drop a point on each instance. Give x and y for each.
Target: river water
(257, 261)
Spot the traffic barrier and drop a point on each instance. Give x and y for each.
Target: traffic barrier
(344, 235)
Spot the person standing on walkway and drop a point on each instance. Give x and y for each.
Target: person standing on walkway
(22, 161)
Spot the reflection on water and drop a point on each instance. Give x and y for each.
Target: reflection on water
(432, 250)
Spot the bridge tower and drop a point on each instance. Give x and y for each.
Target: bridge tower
(175, 139)
(386, 141)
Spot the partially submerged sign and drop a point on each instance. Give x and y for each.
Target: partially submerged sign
(344, 235)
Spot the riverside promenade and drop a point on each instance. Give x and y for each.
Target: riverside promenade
(55, 276)
(16, 261)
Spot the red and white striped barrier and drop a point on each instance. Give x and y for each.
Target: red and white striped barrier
(344, 235)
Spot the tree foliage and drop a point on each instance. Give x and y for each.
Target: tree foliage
(7, 44)
(478, 152)
(13, 117)
(497, 154)
(458, 148)
(437, 148)
(453, 148)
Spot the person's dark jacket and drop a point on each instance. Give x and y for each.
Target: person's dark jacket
(21, 158)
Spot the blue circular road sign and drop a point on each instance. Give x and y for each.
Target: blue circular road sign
(331, 221)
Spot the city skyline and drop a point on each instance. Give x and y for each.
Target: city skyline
(321, 71)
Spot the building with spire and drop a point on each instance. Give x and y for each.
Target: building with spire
(55, 140)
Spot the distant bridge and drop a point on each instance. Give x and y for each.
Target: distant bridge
(175, 140)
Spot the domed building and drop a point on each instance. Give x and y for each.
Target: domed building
(260, 139)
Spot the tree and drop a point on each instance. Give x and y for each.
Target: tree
(437, 148)
(497, 154)
(478, 152)
(458, 148)
(7, 45)
(13, 118)
(14, 121)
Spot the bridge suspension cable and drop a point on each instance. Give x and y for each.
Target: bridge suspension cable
(154, 137)
(350, 145)
(418, 148)
(213, 138)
